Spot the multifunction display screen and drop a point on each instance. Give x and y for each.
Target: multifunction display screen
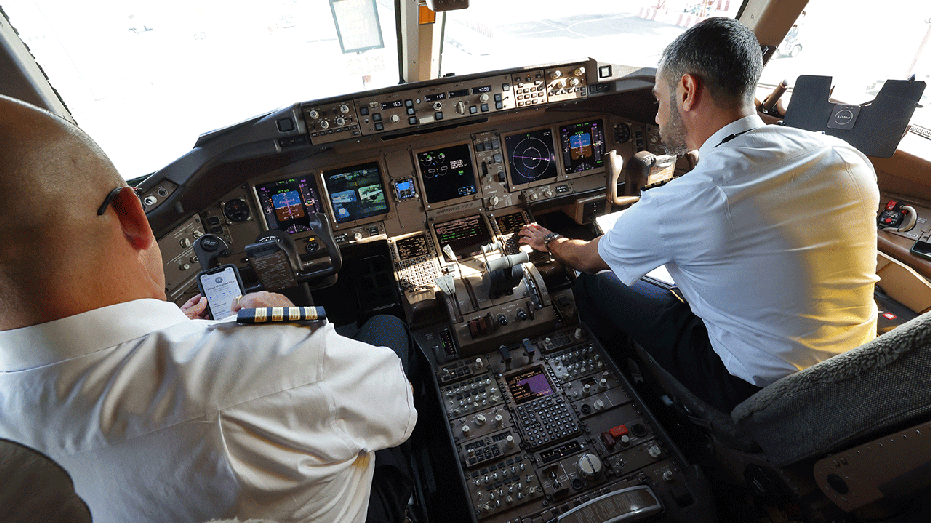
(529, 385)
(531, 156)
(356, 192)
(287, 203)
(512, 222)
(464, 236)
(412, 247)
(582, 146)
(447, 173)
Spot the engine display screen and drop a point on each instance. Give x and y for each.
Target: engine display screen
(356, 192)
(529, 385)
(447, 173)
(582, 146)
(287, 203)
(412, 247)
(465, 236)
(531, 156)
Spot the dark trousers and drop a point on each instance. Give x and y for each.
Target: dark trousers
(393, 483)
(665, 327)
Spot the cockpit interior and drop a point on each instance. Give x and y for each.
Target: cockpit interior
(406, 200)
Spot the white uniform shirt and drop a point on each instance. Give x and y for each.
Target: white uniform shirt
(161, 418)
(772, 240)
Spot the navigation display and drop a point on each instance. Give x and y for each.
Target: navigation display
(287, 203)
(356, 192)
(582, 146)
(531, 156)
(529, 385)
(465, 236)
(447, 173)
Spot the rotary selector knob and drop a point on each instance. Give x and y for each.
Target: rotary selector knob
(548, 192)
(395, 118)
(313, 114)
(340, 121)
(556, 74)
(484, 98)
(466, 430)
(344, 109)
(509, 442)
(324, 124)
(479, 364)
(480, 419)
(357, 236)
(437, 106)
(574, 82)
(589, 465)
(498, 419)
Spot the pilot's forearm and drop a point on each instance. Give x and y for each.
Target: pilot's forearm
(578, 254)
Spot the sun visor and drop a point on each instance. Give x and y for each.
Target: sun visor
(875, 127)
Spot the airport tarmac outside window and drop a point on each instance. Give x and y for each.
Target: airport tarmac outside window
(145, 79)
(495, 34)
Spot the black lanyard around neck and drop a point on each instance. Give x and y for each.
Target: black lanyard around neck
(731, 137)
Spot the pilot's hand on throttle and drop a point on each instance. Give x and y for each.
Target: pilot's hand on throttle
(195, 308)
(533, 235)
(261, 299)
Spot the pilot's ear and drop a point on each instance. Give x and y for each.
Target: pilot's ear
(132, 218)
(691, 85)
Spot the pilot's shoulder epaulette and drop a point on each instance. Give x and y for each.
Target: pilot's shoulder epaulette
(280, 315)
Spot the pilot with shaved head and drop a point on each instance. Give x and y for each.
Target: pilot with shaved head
(771, 238)
(156, 416)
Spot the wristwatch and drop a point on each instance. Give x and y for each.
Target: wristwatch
(548, 238)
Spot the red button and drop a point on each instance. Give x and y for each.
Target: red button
(618, 431)
(891, 205)
(889, 316)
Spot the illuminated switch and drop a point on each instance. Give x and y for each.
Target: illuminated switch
(618, 431)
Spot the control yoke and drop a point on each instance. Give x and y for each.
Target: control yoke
(274, 257)
(644, 168)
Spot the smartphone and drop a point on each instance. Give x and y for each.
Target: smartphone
(221, 286)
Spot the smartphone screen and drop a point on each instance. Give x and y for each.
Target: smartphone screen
(221, 289)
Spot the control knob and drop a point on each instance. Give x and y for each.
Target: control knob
(498, 419)
(579, 72)
(521, 315)
(574, 82)
(466, 430)
(484, 98)
(502, 320)
(556, 74)
(589, 465)
(460, 107)
(313, 114)
(324, 124)
(437, 106)
(340, 121)
(480, 419)
(357, 236)
(395, 118)
(344, 109)
(548, 192)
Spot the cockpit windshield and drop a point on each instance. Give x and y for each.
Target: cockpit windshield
(146, 78)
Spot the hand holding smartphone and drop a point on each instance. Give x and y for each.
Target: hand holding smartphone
(221, 286)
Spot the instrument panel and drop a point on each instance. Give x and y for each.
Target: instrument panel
(441, 176)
